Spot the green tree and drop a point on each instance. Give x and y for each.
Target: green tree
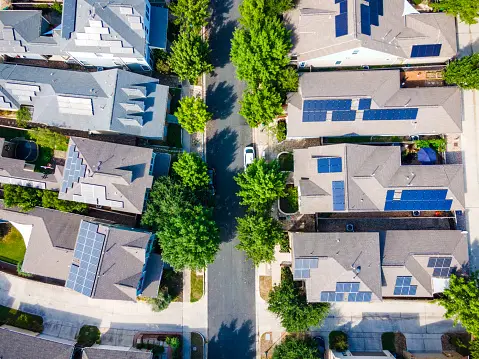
(50, 200)
(260, 53)
(161, 302)
(338, 341)
(261, 107)
(23, 116)
(261, 184)
(190, 56)
(258, 235)
(187, 234)
(295, 348)
(25, 198)
(467, 10)
(474, 348)
(160, 58)
(191, 14)
(289, 80)
(463, 72)
(254, 11)
(57, 7)
(461, 301)
(48, 138)
(192, 171)
(192, 114)
(289, 303)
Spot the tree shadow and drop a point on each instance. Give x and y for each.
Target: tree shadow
(221, 98)
(220, 41)
(233, 342)
(220, 10)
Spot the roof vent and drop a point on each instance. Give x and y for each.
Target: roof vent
(357, 270)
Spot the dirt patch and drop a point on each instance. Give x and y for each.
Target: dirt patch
(265, 286)
(266, 343)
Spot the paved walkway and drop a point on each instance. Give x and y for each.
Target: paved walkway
(468, 38)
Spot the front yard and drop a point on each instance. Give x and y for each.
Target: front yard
(12, 246)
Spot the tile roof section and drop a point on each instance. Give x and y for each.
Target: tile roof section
(114, 353)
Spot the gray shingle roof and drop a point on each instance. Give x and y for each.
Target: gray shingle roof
(314, 29)
(439, 108)
(105, 90)
(15, 345)
(110, 353)
(368, 173)
(116, 173)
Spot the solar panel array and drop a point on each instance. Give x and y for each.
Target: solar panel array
(344, 115)
(341, 20)
(86, 259)
(364, 104)
(74, 169)
(403, 286)
(302, 267)
(349, 288)
(370, 15)
(338, 196)
(391, 114)
(418, 200)
(330, 165)
(441, 265)
(426, 50)
(326, 105)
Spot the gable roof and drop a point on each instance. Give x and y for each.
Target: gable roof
(370, 174)
(314, 29)
(438, 108)
(111, 175)
(114, 353)
(107, 100)
(16, 345)
(341, 256)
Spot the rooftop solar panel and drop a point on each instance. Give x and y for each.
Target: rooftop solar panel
(364, 104)
(338, 196)
(343, 7)
(380, 7)
(74, 169)
(330, 165)
(344, 115)
(341, 23)
(365, 20)
(374, 14)
(426, 50)
(403, 286)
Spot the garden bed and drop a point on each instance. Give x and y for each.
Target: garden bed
(196, 287)
(173, 282)
(12, 245)
(286, 161)
(88, 336)
(198, 344)
(19, 319)
(289, 204)
(394, 342)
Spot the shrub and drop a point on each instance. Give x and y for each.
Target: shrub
(161, 302)
(22, 273)
(19, 319)
(463, 72)
(160, 58)
(57, 7)
(173, 342)
(295, 348)
(338, 341)
(23, 116)
(89, 335)
(281, 131)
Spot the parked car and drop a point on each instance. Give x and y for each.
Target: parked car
(249, 156)
(211, 184)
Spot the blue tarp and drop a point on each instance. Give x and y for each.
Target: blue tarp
(427, 156)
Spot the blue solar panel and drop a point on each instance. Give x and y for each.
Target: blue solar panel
(403, 286)
(343, 7)
(344, 115)
(365, 20)
(391, 114)
(338, 196)
(426, 50)
(341, 22)
(330, 165)
(326, 105)
(441, 265)
(87, 254)
(347, 287)
(74, 169)
(380, 7)
(364, 104)
(374, 14)
(418, 200)
(318, 116)
(390, 195)
(332, 297)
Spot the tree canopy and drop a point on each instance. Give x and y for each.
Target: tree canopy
(191, 14)
(187, 234)
(192, 114)
(258, 235)
(467, 10)
(461, 301)
(190, 56)
(261, 106)
(192, 170)
(254, 11)
(50, 200)
(289, 303)
(463, 72)
(260, 184)
(294, 348)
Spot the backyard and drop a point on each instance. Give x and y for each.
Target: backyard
(12, 246)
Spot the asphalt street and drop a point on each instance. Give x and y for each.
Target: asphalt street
(231, 297)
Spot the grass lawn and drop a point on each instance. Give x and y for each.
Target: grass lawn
(89, 335)
(12, 246)
(173, 136)
(173, 282)
(196, 343)
(21, 319)
(196, 286)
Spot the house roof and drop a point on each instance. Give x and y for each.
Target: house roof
(369, 174)
(314, 29)
(16, 345)
(114, 353)
(438, 108)
(111, 174)
(110, 100)
(343, 257)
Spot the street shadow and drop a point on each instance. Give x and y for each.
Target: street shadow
(220, 41)
(220, 10)
(221, 98)
(233, 341)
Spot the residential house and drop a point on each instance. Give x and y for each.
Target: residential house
(377, 32)
(109, 352)
(111, 101)
(116, 33)
(97, 260)
(26, 345)
(360, 178)
(370, 266)
(107, 174)
(367, 103)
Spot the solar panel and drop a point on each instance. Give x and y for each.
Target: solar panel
(318, 116)
(330, 165)
(327, 105)
(419, 200)
(86, 258)
(338, 196)
(403, 286)
(341, 23)
(344, 115)
(74, 169)
(364, 104)
(374, 14)
(302, 267)
(380, 7)
(390, 114)
(343, 7)
(347, 287)
(426, 50)
(365, 20)
(441, 265)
